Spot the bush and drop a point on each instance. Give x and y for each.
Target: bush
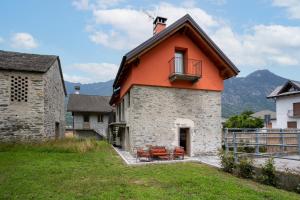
(246, 168)
(268, 173)
(298, 188)
(227, 161)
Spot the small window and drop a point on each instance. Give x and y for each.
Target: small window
(128, 99)
(86, 118)
(19, 89)
(100, 118)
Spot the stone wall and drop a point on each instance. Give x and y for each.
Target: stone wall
(21, 120)
(156, 114)
(54, 102)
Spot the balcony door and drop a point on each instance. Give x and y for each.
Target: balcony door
(179, 62)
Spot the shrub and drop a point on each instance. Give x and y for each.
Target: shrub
(227, 161)
(298, 188)
(268, 173)
(246, 168)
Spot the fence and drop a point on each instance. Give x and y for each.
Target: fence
(278, 143)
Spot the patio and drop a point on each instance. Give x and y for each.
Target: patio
(284, 164)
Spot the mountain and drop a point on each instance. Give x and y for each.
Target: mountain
(249, 93)
(100, 88)
(241, 93)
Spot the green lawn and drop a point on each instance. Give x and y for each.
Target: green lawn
(52, 173)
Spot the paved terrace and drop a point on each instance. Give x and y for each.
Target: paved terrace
(281, 164)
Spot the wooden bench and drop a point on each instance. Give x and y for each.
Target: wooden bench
(159, 152)
(140, 153)
(178, 153)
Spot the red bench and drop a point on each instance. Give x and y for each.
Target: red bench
(140, 153)
(160, 152)
(178, 152)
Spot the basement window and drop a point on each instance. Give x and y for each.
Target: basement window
(19, 89)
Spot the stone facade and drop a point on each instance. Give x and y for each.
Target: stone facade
(93, 124)
(155, 115)
(38, 118)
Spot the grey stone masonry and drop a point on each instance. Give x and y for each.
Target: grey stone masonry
(31, 105)
(156, 114)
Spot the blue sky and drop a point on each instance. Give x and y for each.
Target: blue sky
(91, 36)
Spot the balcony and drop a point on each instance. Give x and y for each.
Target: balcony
(185, 69)
(293, 114)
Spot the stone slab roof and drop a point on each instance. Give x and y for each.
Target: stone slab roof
(88, 103)
(26, 62)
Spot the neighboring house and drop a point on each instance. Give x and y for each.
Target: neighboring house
(287, 98)
(267, 115)
(32, 94)
(91, 115)
(167, 91)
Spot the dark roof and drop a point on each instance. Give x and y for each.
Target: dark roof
(88, 103)
(16, 61)
(26, 62)
(283, 90)
(167, 31)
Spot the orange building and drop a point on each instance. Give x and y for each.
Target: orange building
(167, 91)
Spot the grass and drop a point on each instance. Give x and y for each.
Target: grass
(75, 169)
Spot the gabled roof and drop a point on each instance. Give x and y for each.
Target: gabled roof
(284, 90)
(15, 61)
(155, 39)
(88, 103)
(261, 114)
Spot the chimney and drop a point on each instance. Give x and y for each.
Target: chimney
(159, 24)
(77, 89)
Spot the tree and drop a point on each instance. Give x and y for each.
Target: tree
(244, 120)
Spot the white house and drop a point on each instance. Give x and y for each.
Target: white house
(287, 98)
(91, 115)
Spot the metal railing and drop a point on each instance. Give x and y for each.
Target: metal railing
(262, 142)
(190, 67)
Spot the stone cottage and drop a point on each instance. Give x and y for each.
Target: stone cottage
(91, 114)
(167, 91)
(32, 94)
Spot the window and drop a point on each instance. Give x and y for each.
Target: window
(19, 89)
(86, 118)
(100, 118)
(296, 108)
(179, 62)
(292, 124)
(128, 95)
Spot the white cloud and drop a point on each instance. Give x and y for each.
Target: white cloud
(128, 27)
(292, 7)
(81, 4)
(218, 2)
(1, 40)
(23, 41)
(77, 79)
(263, 46)
(94, 4)
(92, 72)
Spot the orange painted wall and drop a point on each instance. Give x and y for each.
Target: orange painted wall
(154, 69)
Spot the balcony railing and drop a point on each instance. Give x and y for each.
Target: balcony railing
(293, 114)
(185, 69)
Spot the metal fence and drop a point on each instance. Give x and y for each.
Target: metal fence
(278, 143)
